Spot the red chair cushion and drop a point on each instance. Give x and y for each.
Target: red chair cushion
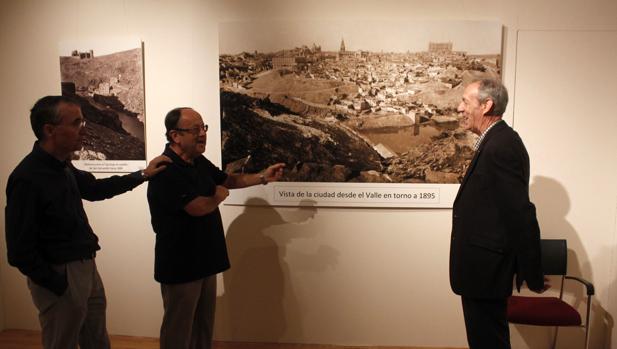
(542, 311)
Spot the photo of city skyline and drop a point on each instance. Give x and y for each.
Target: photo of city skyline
(363, 102)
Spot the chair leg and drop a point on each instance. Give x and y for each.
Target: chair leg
(555, 338)
(587, 321)
(587, 335)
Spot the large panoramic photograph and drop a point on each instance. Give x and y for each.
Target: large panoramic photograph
(353, 108)
(106, 77)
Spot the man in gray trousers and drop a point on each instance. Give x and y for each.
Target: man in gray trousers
(47, 231)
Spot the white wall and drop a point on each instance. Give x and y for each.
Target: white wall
(566, 100)
(1, 305)
(338, 276)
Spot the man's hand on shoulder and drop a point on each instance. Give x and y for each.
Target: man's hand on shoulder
(155, 166)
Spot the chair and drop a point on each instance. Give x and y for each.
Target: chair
(551, 311)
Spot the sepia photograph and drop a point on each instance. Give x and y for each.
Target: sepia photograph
(106, 78)
(352, 102)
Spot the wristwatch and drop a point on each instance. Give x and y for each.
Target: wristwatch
(262, 179)
(144, 176)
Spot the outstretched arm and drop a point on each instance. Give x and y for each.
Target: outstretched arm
(270, 174)
(94, 189)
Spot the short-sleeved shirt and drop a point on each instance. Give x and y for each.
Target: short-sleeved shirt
(188, 248)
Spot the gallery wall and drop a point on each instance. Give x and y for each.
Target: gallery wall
(334, 275)
(573, 143)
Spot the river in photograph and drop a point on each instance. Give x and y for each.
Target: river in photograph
(132, 125)
(402, 139)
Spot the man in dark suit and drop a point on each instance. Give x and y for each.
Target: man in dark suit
(495, 233)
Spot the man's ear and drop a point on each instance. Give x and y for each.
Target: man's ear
(174, 136)
(48, 129)
(487, 107)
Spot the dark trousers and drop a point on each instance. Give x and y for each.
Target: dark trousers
(486, 323)
(76, 317)
(188, 320)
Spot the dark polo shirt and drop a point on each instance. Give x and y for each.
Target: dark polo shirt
(187, 248)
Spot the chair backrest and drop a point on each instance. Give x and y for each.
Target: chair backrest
(554, 256)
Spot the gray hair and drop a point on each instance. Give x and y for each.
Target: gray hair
(495, 91)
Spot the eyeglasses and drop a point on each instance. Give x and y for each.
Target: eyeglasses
(194, 130)
(77, 123)
(80, 124)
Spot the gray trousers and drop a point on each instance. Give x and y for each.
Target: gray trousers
(76, 317)
(188, 321)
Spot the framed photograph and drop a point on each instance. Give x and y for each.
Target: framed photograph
(106, 77)
(363, 113)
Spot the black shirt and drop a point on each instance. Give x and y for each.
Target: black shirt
(187, 248)
(45, 219)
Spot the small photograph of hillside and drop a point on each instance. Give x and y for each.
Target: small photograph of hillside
(367, 102)
(110, 90)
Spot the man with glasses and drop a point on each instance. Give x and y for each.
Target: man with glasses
(48, 235)
(190, 243)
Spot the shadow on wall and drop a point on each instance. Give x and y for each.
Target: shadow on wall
(553, 204)
(259, 302)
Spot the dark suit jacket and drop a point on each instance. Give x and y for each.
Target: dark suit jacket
(495, 233)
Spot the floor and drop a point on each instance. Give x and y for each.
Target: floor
(23, 339)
